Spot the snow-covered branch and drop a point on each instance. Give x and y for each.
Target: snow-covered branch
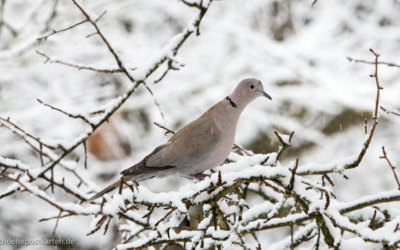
(251, 195)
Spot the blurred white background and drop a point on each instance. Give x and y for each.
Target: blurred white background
(298, 51)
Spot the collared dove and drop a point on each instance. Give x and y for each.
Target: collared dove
(201, 145)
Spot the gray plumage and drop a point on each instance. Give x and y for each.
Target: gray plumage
(201, 145)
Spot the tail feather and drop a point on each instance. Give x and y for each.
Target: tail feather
(136, 172)
(104, 191)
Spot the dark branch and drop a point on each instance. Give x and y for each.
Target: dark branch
(80, 67)
(372, 62)
(391, 166)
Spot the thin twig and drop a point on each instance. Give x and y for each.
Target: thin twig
(191, 4)
(182, 38)
(391, 166)
(389, 111)
(241, 150)
(79, 116)
(169, 67)
(292, 178)
(284, 146)
(19, 130)
(61, 30)
(371, 223)
(372, 62)
(55, 226)
(154, 99)
(367, 142)
(167, 130)
(85, 152)
(105, 41)
(313, 3)
(375, 117)
(77, 66)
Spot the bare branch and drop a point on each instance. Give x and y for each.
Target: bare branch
(355, 163)
(43, 38)
(285, 144)
(192, 4)
(154, 99)
(375, 117)
(120, 101)
(372, 62)
(101, 15)
(292, 178)
(77, 66)
(85, 152)
(241, 150)
(167, 130)
(18, 130)
(389, 111)
(169, 67)
(391, 166)
(83, 118)
(3, 23)
(105, 41)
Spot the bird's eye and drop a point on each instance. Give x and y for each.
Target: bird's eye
(252, 86)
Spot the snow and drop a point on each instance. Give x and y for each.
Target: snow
(314, 89)
(13, 163)
(336, 165)
(284, 244)
(256, 210)
(285, 138)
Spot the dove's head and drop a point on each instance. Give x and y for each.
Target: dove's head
(248, 90)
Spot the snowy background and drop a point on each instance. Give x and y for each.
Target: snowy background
(299, 52)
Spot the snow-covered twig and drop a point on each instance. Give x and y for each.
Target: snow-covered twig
(355, 160)
(171, 48)
(285, 141)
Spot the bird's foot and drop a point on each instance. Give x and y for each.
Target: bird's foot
(199, 176)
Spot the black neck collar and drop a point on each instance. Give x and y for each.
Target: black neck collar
(233, 104)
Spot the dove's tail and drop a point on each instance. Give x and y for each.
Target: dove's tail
(104, 191)
(136, 172)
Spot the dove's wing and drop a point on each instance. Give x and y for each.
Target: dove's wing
(152, 162)
(193, 143)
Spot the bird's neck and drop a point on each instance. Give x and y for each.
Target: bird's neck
(237, 102)
(231, 102)
(234, 107)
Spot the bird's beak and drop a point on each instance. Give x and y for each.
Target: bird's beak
(266, 95)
